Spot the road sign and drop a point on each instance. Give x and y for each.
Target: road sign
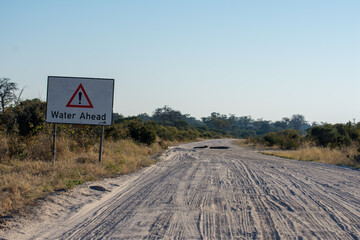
(80, 100)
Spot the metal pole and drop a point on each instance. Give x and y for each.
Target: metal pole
(54, 143)
(101, 142)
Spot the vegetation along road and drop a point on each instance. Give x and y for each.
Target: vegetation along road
(207, 193)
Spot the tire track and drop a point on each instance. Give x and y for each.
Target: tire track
(230, 193)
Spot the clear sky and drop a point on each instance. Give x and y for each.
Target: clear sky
(264, 58)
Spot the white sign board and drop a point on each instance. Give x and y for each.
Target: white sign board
(80, 100)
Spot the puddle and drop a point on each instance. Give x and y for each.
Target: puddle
(220, 147)
(201, 147)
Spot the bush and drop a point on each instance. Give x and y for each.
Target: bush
(30, 116)
(271, 139)
(290, 139)
(116, 132)
(80, 136)
(285, 139)
(167, 133)
(141, 132)
(207, 134)
(331, 135)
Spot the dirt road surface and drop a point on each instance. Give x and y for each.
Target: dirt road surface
(206, 193)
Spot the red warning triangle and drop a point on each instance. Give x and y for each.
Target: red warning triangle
(80, 99)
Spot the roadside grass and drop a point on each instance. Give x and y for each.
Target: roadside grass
(22, 181)
(345, 156)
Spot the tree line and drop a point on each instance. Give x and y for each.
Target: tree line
(244, 126)
(23, 119)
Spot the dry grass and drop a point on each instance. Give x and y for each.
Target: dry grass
(23, 181)
(345, 157)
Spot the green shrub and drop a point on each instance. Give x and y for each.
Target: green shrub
(167, 133)
(207, 134)
(334, 136)
(289, 139)
(116, 132)
(141, 132)
(285, 139)
(82, 136)
(30, 116)
(271, 139)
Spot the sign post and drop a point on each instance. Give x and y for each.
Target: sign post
(101, 142)
(54, 142)
(86, 101)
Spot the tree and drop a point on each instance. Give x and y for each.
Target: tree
(264, 127)
(245, 122)
(144, 117)
(298, 122)
(7, 92)
(168, 116)
(217, 121)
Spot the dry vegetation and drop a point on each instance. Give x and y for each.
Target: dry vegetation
(346, 156)
(23, 181)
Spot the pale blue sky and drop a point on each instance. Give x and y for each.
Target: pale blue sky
(267, 59)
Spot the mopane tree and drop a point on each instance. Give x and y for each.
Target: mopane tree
(7, 92)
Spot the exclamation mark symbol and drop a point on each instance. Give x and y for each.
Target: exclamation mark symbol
(80, 94)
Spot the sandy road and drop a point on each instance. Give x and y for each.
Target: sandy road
(210, 194)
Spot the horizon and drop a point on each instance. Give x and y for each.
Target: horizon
(262, 59)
